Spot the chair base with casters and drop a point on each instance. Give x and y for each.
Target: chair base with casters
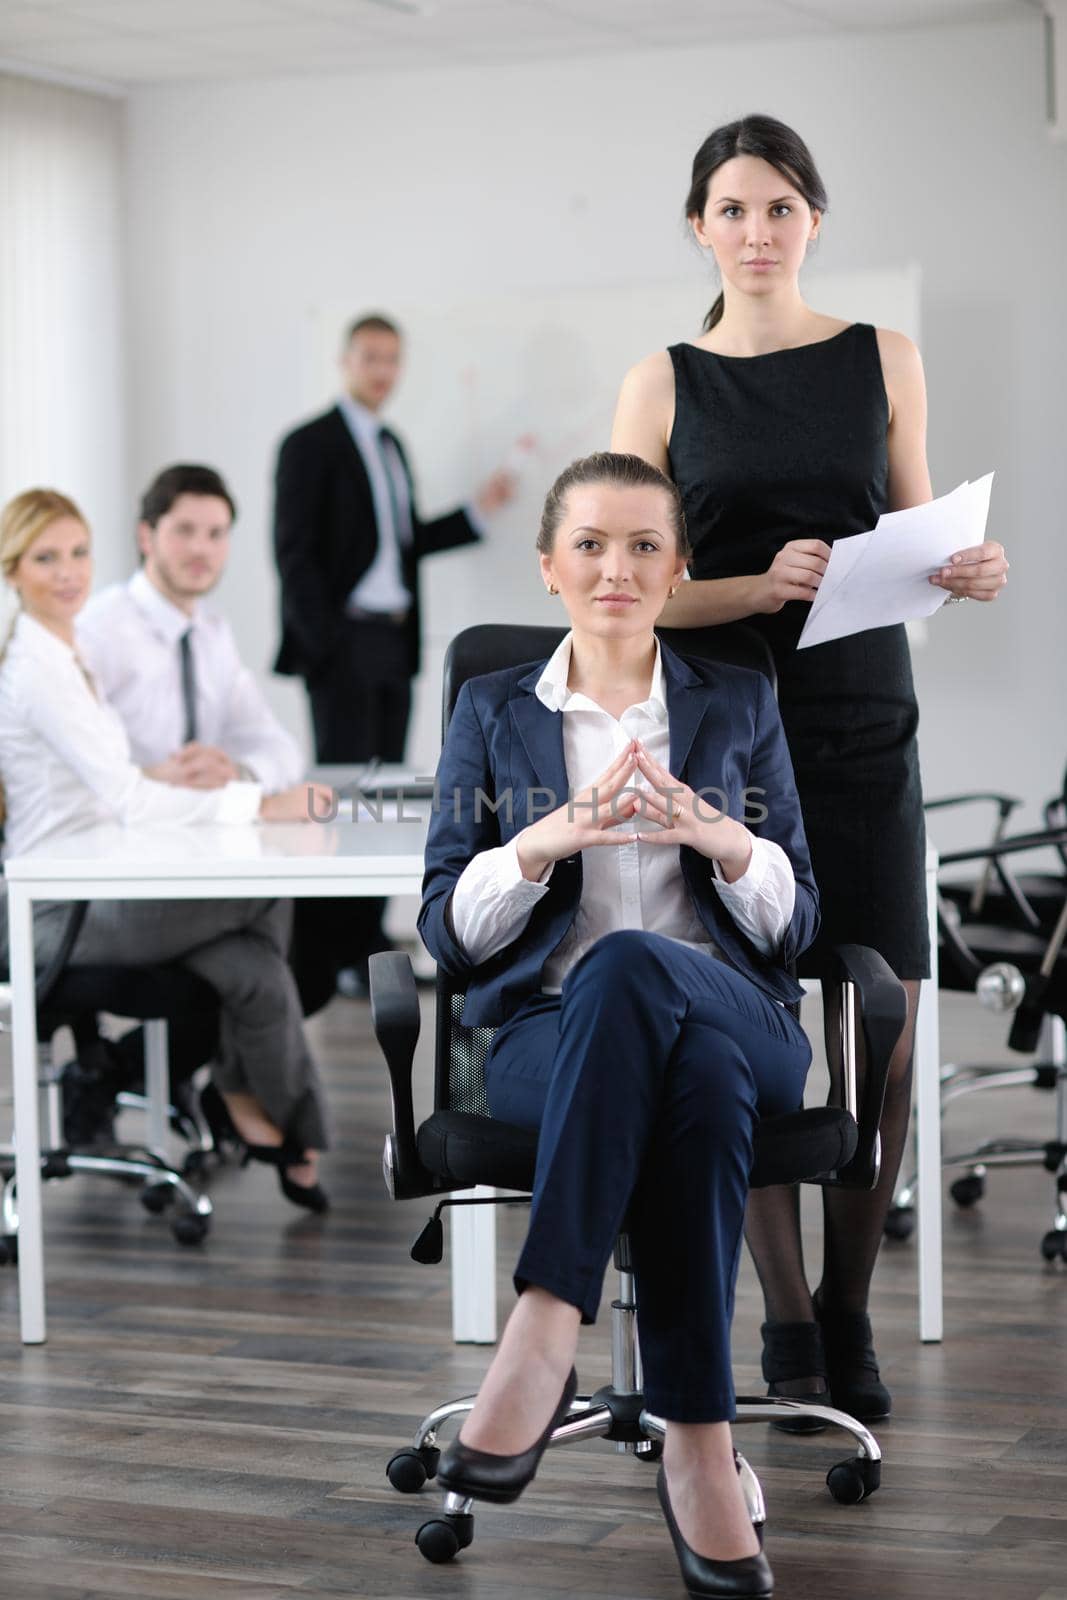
(150, 994)
(458, 1149)
(1049, 1074)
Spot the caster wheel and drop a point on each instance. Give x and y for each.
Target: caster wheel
(967, 1190)
(652, 1453)
(1054, 1245)
(853, 1480)
(157, 1197)
(899, 1222)
(444, 1537)
(9, 1251)
(409, 1469)
(189, 1229)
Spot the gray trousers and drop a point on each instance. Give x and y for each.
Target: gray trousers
(240, 948)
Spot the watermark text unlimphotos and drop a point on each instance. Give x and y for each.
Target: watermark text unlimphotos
(708, 805)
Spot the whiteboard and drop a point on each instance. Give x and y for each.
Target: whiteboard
(482, 372)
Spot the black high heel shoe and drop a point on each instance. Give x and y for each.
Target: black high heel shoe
(851, 1364)
(794, 1350)
(483, 1475)
(749, 1578)
(312, 1197)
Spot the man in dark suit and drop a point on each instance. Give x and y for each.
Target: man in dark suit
(349, 540)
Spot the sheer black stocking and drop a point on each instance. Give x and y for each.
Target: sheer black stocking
(853, 1221)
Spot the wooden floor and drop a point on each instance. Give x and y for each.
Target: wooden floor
(213, 1424)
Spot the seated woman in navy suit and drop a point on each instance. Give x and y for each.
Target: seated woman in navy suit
(592, 881)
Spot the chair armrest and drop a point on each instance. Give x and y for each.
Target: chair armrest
(874, 1008)
(1005, 803)
(1055, 837)
(394, 1005)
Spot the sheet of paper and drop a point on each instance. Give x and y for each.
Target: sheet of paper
(875, 579)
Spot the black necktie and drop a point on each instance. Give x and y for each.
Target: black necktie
(188, 685)
(388, 453)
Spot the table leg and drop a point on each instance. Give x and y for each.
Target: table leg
(473, 1241)
(928, 1130)
(27, 1123)
(157, 1085)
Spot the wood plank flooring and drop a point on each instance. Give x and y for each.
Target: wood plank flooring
(213, 1424)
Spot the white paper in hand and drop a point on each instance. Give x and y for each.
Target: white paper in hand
(876, 579)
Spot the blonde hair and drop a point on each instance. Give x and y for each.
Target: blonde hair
(26, 517)
(22, 521)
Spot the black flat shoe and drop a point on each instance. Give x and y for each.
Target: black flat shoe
(791, 1351)
(482, 1475)
(851, 1364)
(750, 1578)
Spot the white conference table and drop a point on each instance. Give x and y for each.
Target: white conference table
(336, 859)
(257, 860)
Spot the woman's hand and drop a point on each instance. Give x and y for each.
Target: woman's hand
(794, 574)
(304, 802)
(975, 574)
(685, 818)
(578, 824)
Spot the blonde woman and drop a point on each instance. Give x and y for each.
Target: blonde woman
(65, 765)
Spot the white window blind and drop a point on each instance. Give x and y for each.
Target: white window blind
(61, 355)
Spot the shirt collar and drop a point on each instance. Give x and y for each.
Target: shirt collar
(168, 620)
(364, 423)
(552, 691)
(41, 641)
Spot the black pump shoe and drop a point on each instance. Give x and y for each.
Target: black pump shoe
(483, 1475)
(312, 1197)
(750, 1578)
(851, 1364)
(793, 1350)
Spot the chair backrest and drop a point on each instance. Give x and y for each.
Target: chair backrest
(492, 646)
(461, 1052)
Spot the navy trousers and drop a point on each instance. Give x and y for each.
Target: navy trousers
(646, 1078)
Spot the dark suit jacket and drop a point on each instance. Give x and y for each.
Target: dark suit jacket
(725, 734)
(326, 536)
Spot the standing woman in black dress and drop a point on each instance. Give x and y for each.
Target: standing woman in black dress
(785, 429)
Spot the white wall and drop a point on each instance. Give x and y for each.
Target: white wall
(253, 207)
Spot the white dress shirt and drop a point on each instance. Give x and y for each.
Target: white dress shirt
(624, 886)
(65, 760)
(382, 587)
(128, 637)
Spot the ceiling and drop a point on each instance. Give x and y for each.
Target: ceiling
(126, 43)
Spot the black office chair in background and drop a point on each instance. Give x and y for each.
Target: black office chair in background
(999, 894)
(70, 997)
(459, 1146)
(995, 942)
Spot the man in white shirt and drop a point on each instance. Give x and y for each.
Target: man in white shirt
(194, 715)
(193, 712)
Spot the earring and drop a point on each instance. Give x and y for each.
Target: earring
(552, 589)
(672, 591)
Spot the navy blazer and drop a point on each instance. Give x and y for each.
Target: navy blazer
(725, 734)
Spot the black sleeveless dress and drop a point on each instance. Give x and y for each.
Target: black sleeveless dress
(792, 445)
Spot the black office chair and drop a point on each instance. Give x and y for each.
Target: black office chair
(459, 1146)
(71, 996)
(999, 894)
(1011, 968)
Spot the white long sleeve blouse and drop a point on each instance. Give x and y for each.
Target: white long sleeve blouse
(65, 759)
